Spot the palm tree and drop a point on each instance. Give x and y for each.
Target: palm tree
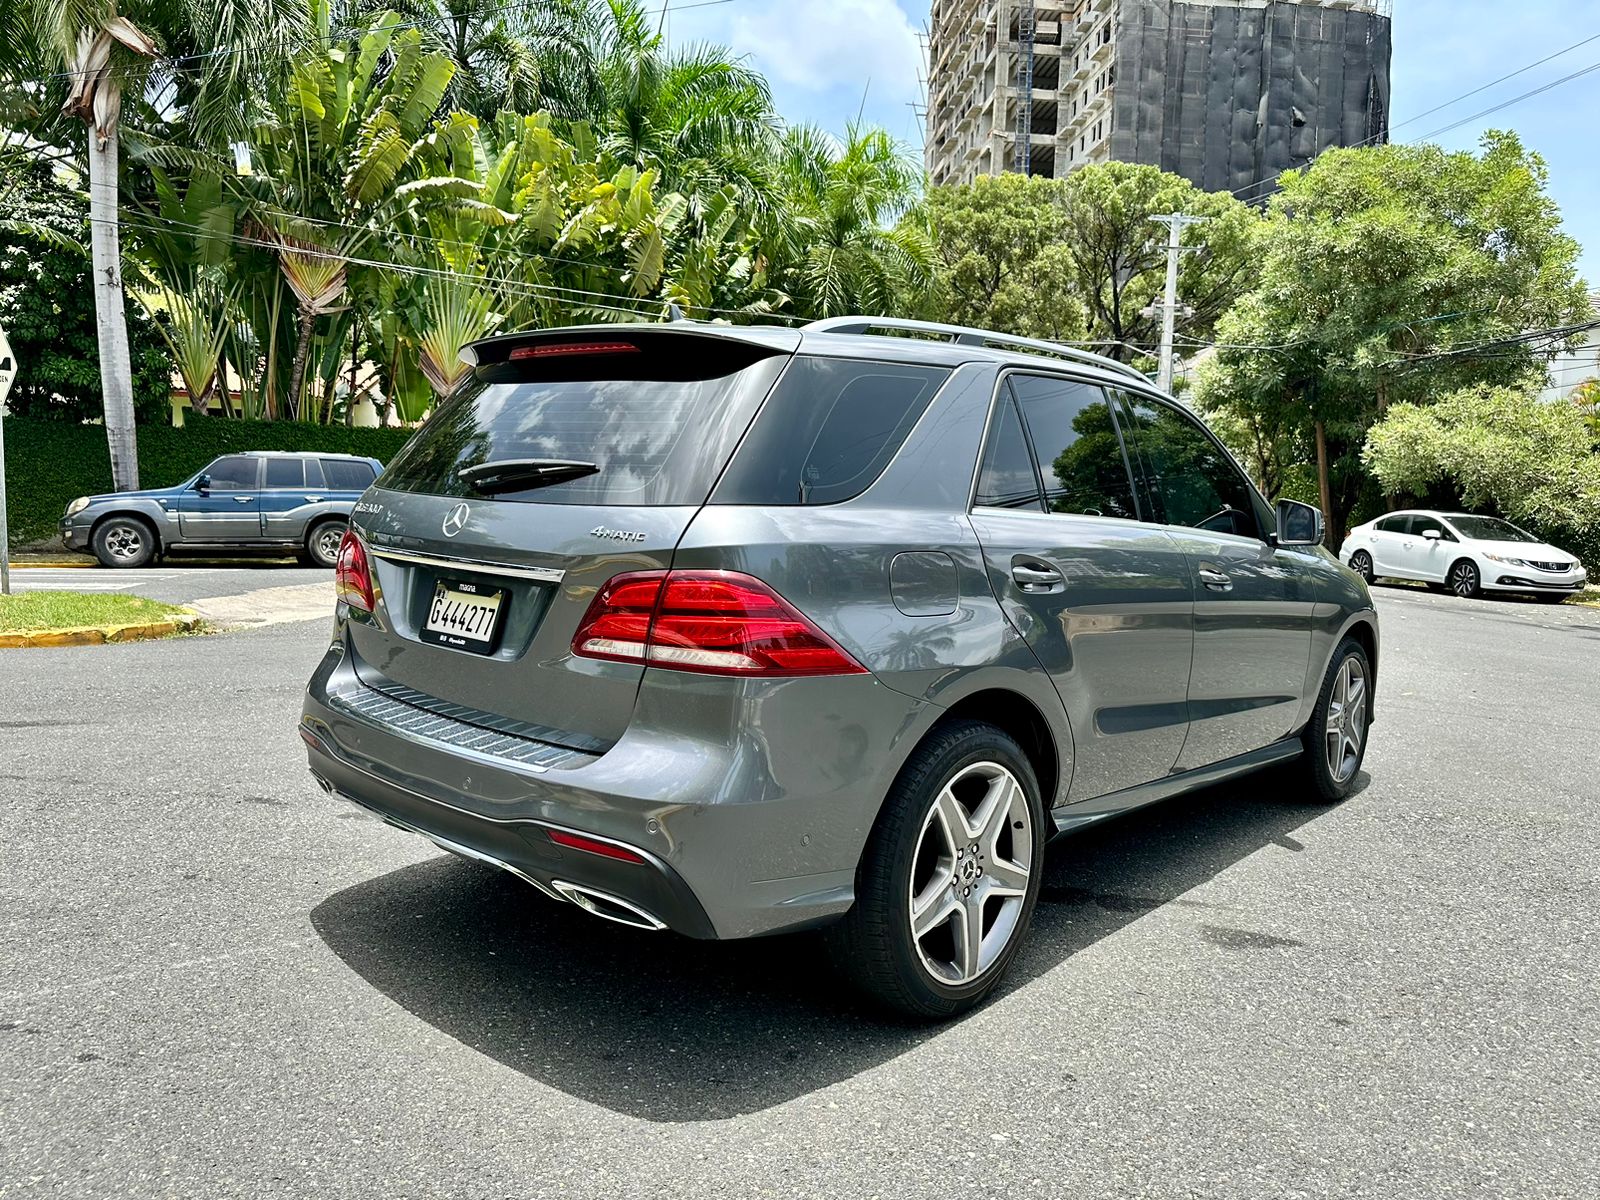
(501, 49)
(167, 59)
(693, 112)
(838, 248)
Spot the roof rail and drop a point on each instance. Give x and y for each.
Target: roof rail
(966, 335)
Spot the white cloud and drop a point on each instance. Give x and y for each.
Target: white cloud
(819, 45)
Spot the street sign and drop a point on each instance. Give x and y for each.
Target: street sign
(8, 372)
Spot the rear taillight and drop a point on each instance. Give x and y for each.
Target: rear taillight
(717, 622)
(352, 574)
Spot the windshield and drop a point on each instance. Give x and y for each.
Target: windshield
(1489, 529)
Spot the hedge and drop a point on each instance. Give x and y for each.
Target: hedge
(48, 463)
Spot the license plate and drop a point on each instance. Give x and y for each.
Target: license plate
(464, 615)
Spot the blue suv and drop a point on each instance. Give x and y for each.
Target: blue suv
(260, 500)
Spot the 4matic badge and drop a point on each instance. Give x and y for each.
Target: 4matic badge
(616, 535)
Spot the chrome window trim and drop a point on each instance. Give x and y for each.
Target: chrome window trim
(541, 574)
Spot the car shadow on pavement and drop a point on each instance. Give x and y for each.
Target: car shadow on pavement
(670, 1029)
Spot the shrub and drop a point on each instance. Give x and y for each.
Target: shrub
(48, 463)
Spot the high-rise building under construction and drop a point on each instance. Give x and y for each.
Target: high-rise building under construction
(1226, 93)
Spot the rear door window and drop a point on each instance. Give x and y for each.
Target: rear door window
(828, 430)
(1008, 479)
(1397, 524)
(1075, 441)
(285, 473)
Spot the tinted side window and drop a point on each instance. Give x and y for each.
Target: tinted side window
(314, 476)
(236, 472)
(285, 473)
(1190, 480)
(828, 430)
(1076, 443)
(1007, 479)
(1393, 524)
(347, 476)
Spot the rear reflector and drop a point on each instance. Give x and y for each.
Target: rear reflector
(576, 841)
(714, 622)
(526, 352)
(352, 574)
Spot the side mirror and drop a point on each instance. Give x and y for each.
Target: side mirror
(1431, 534)
(203, 485)
(1299, 524)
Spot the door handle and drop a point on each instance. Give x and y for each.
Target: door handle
(1215, 579)
(244, 499)
(313, 499)
(1036, 577)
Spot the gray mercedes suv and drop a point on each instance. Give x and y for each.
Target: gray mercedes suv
(733, 631)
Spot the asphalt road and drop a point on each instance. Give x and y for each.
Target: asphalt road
(216, 982)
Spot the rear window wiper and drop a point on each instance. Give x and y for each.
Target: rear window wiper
(522, 474)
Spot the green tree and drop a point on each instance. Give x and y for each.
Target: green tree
(1499, 449)
(332, 164)
(1392, 274)
(112, 52)
(47, 309)
(841, 252)
(1003, 257)
(1119, 255)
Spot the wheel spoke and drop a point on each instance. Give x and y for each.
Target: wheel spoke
(952, 818)
(933, 907)
(1006, 878)
(969, 940)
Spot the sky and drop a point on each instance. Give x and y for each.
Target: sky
(830, 60)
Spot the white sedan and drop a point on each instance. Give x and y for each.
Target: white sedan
(1467, 554)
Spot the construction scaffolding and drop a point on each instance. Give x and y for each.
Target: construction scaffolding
(1227, 93)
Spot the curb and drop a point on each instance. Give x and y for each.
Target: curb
(99, 635)
(52, 566)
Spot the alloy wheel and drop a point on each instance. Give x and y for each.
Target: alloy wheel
(1346, 726)
(1464, 579)
(327, 542)
(969, 879)
(124, 542)
(1361, 564)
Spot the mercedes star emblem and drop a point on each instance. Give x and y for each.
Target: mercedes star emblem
(456, 520)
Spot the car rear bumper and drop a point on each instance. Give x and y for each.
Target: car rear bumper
(745, 836)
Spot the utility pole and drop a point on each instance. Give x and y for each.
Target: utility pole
(1175, 223)
(8, 372)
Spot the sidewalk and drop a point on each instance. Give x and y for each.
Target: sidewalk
(268, 606)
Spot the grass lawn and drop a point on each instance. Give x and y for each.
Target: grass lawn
(26, 612)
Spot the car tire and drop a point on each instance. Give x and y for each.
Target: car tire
(1361, 564)
(322, 542)
(1331, 763)
(1463, 579)
(124, 542)
(916, 867)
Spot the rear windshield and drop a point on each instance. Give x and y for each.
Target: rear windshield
(828, 431)
(655, 441)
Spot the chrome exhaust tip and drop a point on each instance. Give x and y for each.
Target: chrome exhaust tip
(604, 904)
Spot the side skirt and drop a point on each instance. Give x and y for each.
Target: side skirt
(1089, 812)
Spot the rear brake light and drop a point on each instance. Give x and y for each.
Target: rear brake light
(576, 841)
(716, 622)
(352, 574)
(526, 352)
